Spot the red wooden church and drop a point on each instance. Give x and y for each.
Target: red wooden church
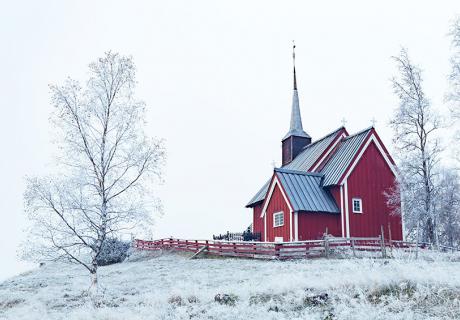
(335, 183)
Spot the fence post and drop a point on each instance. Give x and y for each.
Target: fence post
(277, 250)
(326, 246)
(234, 248)
(228, 235)
(382, 242)
(353, 247)
(389, 234)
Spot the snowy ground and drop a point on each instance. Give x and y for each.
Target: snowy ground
(171, 286)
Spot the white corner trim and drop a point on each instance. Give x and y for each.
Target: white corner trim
(290, 226)
(347, 217)
(329, 151)
(296, 226)
(372, 138)
(403, 228)
(269, 195)
(265, 229)
(342, 213)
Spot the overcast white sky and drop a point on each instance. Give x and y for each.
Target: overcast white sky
(216, 76)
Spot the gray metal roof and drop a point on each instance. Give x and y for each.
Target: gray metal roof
(302, 162)
(260, 195)
(340, 160)
(310, 154)
(305, 191)
(296, 128)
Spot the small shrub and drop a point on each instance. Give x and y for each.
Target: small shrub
(227, 299)
(316, 300)
(264, 298)
(329, 316)
(401, 290)
(113, 251)
(274, 309)
(8, 304)
(193, 299)
(176, 301)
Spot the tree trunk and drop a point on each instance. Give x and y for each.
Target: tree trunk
(94, 287)
(417, 239)
(94, 281)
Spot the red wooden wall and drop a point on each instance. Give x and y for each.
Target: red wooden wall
(335, 192)
(257, 221)
(312, 225)
(276, 204)
(369, 179)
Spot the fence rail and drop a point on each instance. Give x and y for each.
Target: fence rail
(374, 246)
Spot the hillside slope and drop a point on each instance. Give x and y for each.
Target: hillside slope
(171, 286)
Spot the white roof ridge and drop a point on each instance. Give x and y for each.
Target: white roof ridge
(358, 133)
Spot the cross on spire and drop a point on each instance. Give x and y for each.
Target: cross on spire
(344, 121)
(373, 121)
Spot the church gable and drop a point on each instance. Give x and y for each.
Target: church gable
(371, 138)
(368, 181)
(276, 227)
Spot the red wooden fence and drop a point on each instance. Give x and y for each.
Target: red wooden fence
(272, 250)
(285, 250)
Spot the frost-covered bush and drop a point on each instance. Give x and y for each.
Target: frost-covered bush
(226, 299)
(113, 251)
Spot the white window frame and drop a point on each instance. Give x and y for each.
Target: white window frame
(360, 205)
(274, 219)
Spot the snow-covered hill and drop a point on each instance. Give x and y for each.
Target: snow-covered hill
(170, 286)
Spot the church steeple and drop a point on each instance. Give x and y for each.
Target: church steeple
(296, 128)
(296, 138)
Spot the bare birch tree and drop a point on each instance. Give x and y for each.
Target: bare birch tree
(105, 171)
(449, 208)
(415, 124)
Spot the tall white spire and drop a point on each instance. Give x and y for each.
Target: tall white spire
(295, 128)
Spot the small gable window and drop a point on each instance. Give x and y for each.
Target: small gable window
(357, 205)
(278, 219)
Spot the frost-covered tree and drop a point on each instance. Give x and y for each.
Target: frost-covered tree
(105, 170)
(453, 96)
(414, 124)
(448, 203)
